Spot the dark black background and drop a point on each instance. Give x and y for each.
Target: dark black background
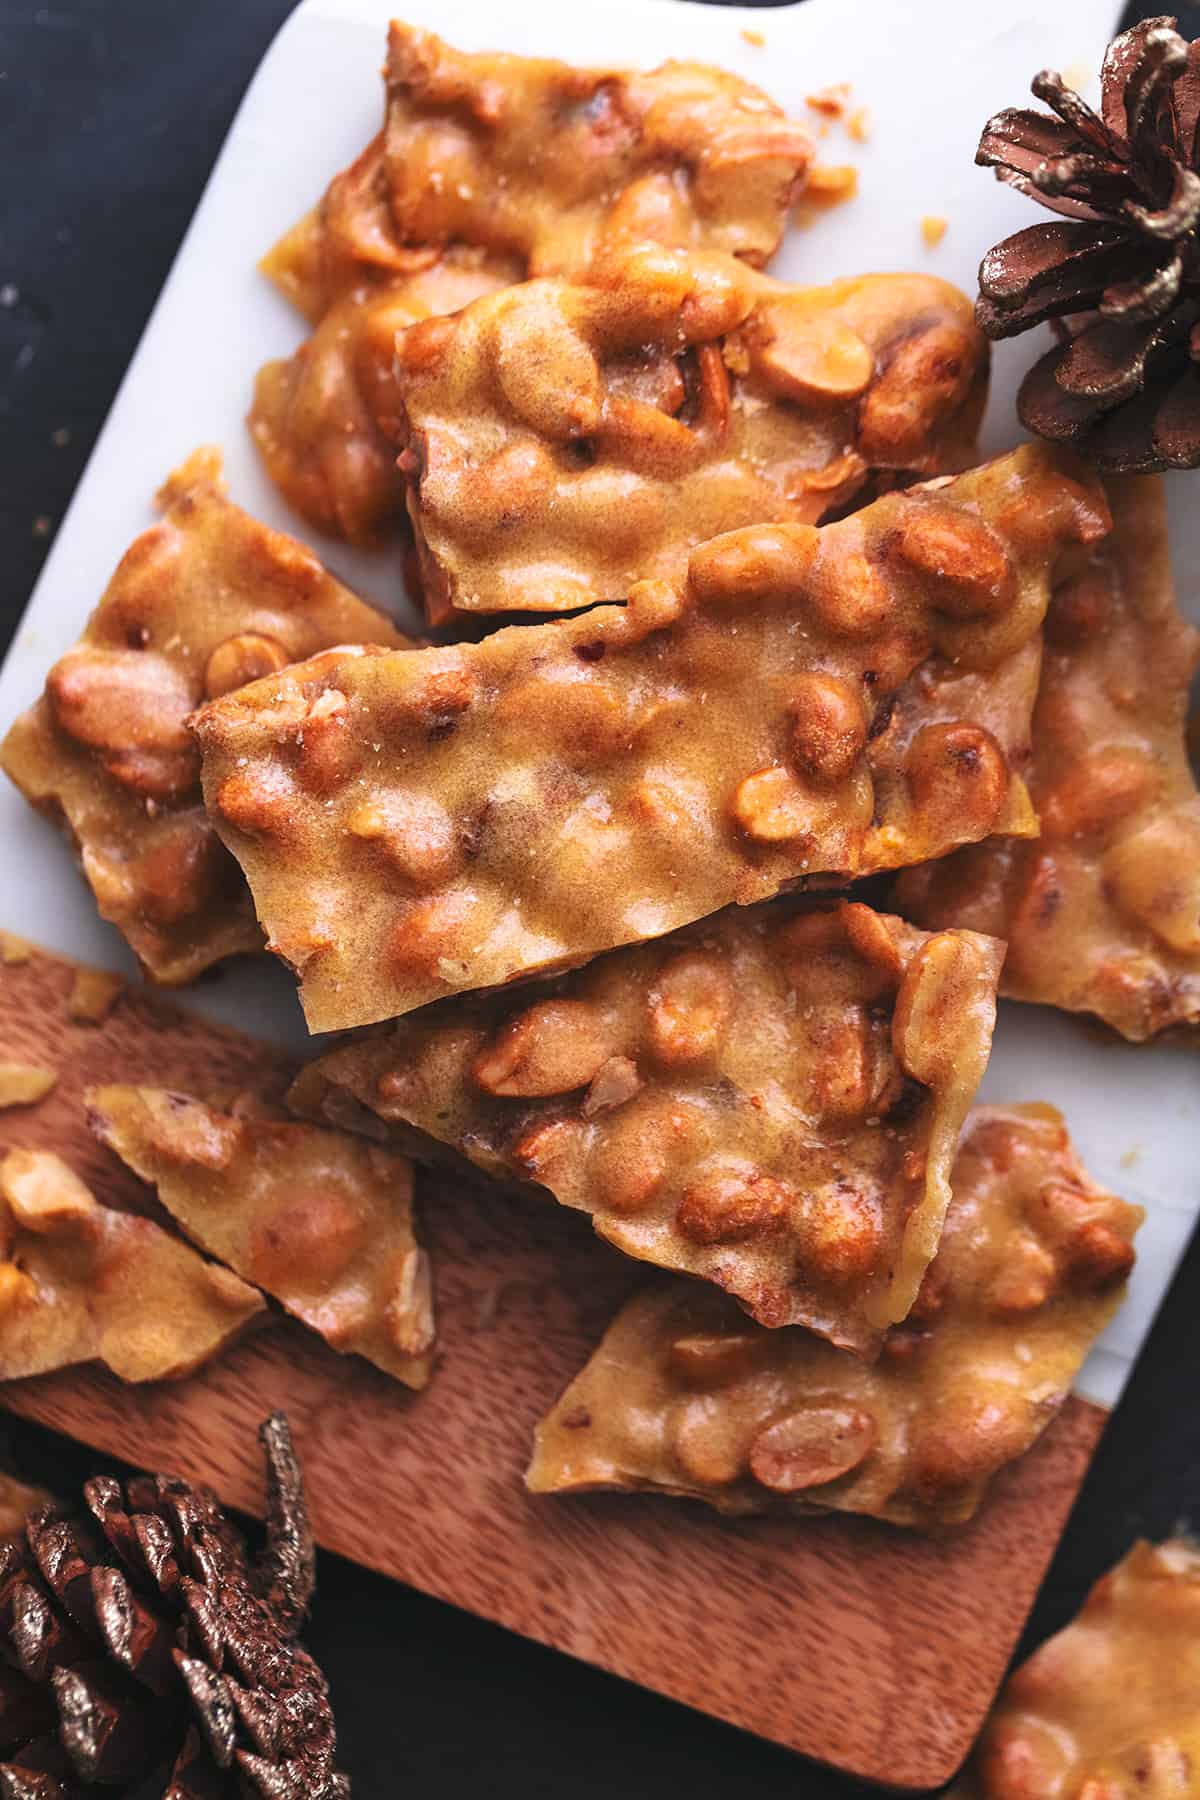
(111, 114)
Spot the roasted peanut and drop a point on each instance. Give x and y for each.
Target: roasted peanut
(808, 357)
(725, 1205)
(690, 1004)
(829, 726)
(923, 377)
(615, 1082)
(773, 806)
(959, 780)
(963, 559)
(635, 1150)
(706, 1444)
(240, 659)
(710, 1359)
(843, 1234)
(812, 1447)
(556, 1046)
(1154, 877)
(414, 832)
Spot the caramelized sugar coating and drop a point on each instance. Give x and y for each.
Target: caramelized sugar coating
(325, 419)
(685, 1397)
(807, 702)
(80, 1282)
(1107, 1709)
(319, 1219)
(1102, 911)
(548, 162)
(565, 441)
(770, 1100)
(200, 603)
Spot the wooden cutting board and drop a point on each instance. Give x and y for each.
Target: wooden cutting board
(859, 1645)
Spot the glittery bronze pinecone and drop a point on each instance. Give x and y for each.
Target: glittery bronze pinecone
(144, 1655)
(1123, 259)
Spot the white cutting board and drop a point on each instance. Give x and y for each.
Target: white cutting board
(930, 72)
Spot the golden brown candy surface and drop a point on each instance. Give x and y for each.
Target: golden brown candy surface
(200, 603)
(685, 1396)
(534, 157)
(81, 1282)
(317, 1218)
(769, 1100)
(1107, 1709)
(1102, 911)
(565, 441)
(809, 702)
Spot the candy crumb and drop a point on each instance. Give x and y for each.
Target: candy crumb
(933, 230)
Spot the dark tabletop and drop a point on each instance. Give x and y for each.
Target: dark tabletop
(111, 115)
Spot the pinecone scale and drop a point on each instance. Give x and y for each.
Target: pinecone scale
(144, 1654)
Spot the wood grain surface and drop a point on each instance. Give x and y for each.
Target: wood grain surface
(872, 1649)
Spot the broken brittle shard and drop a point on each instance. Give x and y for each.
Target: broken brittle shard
(1102, 910)
(80, 1282)
(200, 603)
(315, 1217)
(684, 1396)
(533, 157)
(769, 1100)
(492, 168)
(1107, 1706)
(806, 703)
(564, 440)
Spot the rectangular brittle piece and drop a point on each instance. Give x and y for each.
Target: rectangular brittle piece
(565, 440)
(82, 1282)
(685, 1397)
(202, 602)
(769, 1100)
(319, 1219)
(535, 158)
(1110, 1705)
(1102, 911)
(807, 703)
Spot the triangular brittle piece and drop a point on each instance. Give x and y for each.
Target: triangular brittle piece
(770, 1100)
(685, 1397)
(319, 1219)
(81, 1282)
(200, 603)
(806, 703)
(1102, 911)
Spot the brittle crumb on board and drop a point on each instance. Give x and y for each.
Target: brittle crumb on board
(831, 100)
(94, 993)
(24, 1084)
(933, 229)
(757, 38)
(14, 949)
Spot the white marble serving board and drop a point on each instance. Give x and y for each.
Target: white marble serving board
(929, 72)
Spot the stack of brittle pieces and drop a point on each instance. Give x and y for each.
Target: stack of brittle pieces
(727, 617)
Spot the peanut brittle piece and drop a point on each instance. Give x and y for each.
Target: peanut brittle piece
(550, 162)
(1108, 1708)
(80, 1282)
(807, 703)
(325, 420)
(770, 1100)
(200, 603)
(320, 1220)
(565, 441)
(685, 1397)
(1102, 911)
